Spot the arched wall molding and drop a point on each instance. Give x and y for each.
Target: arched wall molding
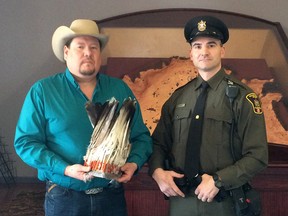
(250, 37)
(178, 16)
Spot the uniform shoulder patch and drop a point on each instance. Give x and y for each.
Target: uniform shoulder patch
(256, 105)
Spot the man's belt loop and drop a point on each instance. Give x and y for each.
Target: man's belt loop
(51, 187)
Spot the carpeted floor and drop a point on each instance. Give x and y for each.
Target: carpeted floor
(24, 204)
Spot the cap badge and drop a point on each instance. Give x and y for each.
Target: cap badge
(202, 25)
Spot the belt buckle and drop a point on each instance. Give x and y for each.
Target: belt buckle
(94, 190)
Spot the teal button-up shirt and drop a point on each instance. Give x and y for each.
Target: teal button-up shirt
(54, 130)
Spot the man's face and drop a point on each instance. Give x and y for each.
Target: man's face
(206, 54)
(83, 56)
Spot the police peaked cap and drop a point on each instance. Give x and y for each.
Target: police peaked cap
(206, 26)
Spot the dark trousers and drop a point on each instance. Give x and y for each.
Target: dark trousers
(61, 201)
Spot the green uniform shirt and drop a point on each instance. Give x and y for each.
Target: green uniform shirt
(250, 142)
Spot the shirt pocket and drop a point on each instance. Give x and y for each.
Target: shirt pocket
(216, 147)
(219, 124)
(181, 123)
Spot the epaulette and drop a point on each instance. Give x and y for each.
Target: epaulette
(250, 96)
(234, 80)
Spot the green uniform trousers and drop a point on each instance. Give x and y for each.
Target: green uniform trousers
(192, 206)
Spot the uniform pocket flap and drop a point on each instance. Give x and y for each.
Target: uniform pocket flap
(181, 112)
(219, 116)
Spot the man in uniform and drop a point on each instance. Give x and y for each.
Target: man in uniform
(232, 139)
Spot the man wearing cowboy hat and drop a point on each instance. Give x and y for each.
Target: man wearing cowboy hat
(53, 130)
(206, 148)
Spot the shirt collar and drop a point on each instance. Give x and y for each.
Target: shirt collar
(72, 80)
(198, 82)
(214, 81)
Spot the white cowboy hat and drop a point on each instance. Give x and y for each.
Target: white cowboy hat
(79, 27)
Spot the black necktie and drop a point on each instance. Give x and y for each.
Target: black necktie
(192, 160)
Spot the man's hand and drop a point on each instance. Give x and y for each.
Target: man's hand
(128, 170)
(77, 171)
(206, 190)
(165, 181)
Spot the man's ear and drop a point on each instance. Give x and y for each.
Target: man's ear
(65, 52)
(190, 53)
(223, 50)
